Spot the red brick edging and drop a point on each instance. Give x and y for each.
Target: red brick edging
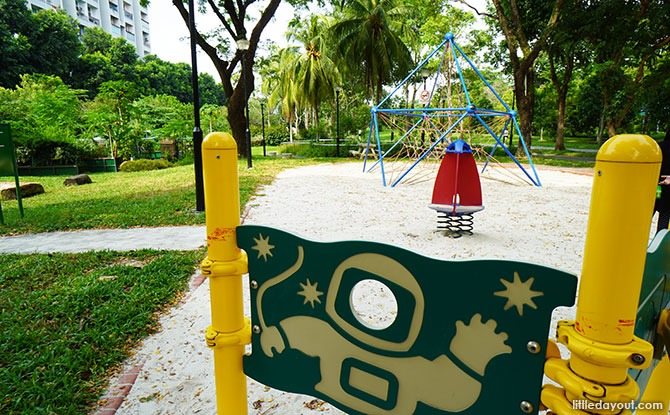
(111, 401)
(115, 395)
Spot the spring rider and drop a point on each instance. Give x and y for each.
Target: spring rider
(457, 193)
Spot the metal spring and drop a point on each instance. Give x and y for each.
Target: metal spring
(455, 226)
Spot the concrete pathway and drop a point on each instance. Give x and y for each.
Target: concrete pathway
(170, 238)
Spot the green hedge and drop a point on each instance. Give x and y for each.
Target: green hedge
(317, 150)
(144, 164)
(274, 135)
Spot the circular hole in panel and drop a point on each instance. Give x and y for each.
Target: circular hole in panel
(374, 304)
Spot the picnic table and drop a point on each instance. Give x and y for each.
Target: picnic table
(364, 150)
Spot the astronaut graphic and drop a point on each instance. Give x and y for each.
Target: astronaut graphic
(451, 347)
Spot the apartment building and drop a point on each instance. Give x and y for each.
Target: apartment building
(120, 18)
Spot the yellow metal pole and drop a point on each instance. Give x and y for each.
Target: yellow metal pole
(225, 265)
(601, 340)
(622, 204)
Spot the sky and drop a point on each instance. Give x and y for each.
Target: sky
(169, 33)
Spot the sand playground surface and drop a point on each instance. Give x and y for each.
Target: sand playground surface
(334, 202)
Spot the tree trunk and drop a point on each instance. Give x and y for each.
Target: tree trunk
(237, 121)
(379, 89)
(601, 128)
(524, 90)
(612, 127)
(560, 122)
(610, 119)
(562, 91)
(237, 105)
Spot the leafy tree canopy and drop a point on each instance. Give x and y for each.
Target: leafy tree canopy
(45, 115)
(54, 44)
(15, 20)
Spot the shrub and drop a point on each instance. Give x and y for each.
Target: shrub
(274, 135)
(316, 150)
(357, 118)
(185, 160)
(56, 153)
(315, 132)
(144, 164)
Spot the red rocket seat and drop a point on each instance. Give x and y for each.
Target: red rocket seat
(457, 189)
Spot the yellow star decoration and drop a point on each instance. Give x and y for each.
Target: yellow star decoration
(310, 292)
(518, 293)
(263, 247)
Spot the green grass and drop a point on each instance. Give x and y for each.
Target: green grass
(69, 319)
(579, 143)
(125, 200)
(113, 200)
(258, 151)
(567, 162)
(581, 153)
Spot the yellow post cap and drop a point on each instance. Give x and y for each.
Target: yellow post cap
(219, 141)
(630, 148)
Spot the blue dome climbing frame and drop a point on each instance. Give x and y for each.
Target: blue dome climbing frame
(448, 113)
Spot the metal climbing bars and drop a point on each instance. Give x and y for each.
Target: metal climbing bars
(436, 121)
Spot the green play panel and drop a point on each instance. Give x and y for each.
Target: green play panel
(467, 337)
(654, 297)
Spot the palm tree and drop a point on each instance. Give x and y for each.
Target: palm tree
(371, 33)
(315, 75)
(279, 85)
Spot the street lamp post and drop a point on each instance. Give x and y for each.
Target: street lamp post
(424, 75)
(263, 126)
(243, 45)
(338, 89)
(197, 132)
